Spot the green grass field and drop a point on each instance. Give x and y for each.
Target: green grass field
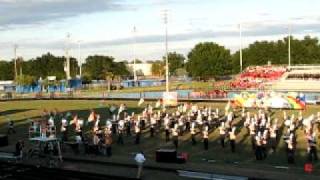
(194, 85)
(22, 111)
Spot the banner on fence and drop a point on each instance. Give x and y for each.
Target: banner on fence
(170, 98)
(270, 100)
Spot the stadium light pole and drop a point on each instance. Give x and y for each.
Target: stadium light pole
(240, 51)
(289, 46)
(79, 58)
(134, 54)
(67, 68)
(166, 44)
(15, 47)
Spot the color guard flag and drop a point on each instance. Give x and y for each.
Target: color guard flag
(112, 108)
(141, 101)
(158, 104)
(75, 120)
(227, 108)
(91, 117)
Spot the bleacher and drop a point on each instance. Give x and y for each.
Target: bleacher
(299, 78)
(255, 76)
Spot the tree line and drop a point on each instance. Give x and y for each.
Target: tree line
(205, 60)
(95, 68)
(210, 60)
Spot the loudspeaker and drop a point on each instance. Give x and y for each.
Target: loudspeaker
(4, 140)
(166, 155)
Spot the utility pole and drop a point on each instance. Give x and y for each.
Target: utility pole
(15, 47)
(134, 54)
(240, 33)
(166, 44)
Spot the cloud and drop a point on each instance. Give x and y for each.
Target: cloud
(256, 31)
(259, 30)
(26, 12)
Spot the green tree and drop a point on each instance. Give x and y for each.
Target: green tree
(25, 80)
(6, 70)
(158, 68)
(175, 60)
(305, 51)
(49, 65)
(138, 61)
(181, 72)
(209, 60)
(120, 69)
(96, 67)
(109, 78)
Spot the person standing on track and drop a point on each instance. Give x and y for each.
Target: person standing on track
(140, 159)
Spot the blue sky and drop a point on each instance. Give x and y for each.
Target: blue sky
(105, 26)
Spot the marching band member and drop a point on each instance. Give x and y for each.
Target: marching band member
(137, 130)
(153, 123)
(159, 118)
(181, 125)
(108, 143)
(51, 122)
(193, 133)
(273, 136)
(64, 125)
(175, 136)
(222, 131)
(108, 128)
(92, 116)
(247, 121)
(95, 142)
(258, 146)
(243, 114)
(290, 148)
(167, 127)
(232, 136)
(120, 131)
(128, 122)
(312, 146)
(188, 123)
(216, 118)
(79, 124)
(252, 128)
(264, 142)
(96, 123)
(205, 137)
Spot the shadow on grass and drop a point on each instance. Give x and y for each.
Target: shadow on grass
(13, 111)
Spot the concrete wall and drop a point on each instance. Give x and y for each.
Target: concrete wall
(4, 83)
(145, 68)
